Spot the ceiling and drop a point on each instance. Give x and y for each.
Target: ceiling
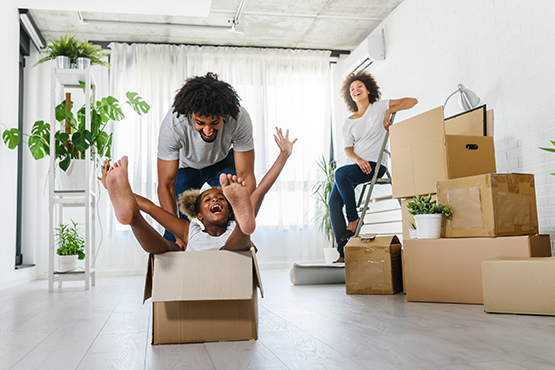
(338, 25)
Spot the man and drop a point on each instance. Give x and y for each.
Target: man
(205, 133)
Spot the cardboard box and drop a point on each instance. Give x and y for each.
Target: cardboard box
(203, 296)
(475, 122)
(519, 285)
(490, 205)
(421, 154)
(450, 271)
(373, 266)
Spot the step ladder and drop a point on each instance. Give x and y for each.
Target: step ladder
(368, 187)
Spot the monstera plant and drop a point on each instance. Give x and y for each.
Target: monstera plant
(72, 143)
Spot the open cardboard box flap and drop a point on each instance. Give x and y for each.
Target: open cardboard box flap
(202, 276)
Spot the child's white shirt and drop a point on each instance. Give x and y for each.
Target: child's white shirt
(201, 241)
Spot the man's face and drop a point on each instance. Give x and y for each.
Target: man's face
(207, 126)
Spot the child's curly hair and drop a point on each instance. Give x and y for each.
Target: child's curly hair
(189, 203)
(368, 81)
(207, 96)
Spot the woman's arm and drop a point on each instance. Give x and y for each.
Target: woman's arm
(364, 165)
(395, 105)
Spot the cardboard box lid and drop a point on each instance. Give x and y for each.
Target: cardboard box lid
(377, 241)
(200, 276)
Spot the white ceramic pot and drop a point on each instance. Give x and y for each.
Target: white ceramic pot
(428, 226)
(413, 233)
(63, 62)
(82, 63)
(74, 177)
(67, 263)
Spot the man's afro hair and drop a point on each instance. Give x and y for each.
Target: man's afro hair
(207, 96)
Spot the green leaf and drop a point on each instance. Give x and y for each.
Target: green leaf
(64, 163)
(11, 138)
(81, 140)
(108, 107)
(137, 103)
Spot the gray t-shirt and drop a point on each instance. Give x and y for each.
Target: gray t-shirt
(178, 139)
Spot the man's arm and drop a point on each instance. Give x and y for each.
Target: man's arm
(167, 176)
(244, 166)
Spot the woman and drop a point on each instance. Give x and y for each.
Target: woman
(363, 134)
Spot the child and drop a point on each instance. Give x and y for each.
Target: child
(215, 208)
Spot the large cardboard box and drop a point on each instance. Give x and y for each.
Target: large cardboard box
(449, 270)
(519, 285)
(492, 204)
(203, 296)
(422, 153)
(373, 265)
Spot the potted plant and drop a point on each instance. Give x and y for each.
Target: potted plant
(90, 54)
(71, 246)
(322, 190)
(428, 216)
(64, 50)
(69, 146)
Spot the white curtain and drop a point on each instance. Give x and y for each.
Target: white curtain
(284, 88)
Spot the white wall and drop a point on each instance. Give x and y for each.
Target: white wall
(501, 50)
(9, 67)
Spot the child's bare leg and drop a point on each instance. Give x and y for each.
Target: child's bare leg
(239, 197)
(127, 210)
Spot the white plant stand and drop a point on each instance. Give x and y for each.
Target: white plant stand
(61, 79)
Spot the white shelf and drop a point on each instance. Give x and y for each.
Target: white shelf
(61, 79)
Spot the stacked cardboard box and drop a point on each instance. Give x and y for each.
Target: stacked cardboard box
(495, 214)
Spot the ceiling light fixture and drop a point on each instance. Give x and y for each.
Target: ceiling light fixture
(235, 22)
(31, 29)
(467, 99)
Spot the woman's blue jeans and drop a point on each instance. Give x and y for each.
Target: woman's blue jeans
(343, 194)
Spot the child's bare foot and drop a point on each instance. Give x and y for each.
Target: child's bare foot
(239, 197)
(123, 200)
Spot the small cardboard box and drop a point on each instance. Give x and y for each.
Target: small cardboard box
(449, 270)
(373, 265)
(492, 204)
(203, 296)
(421, 154)
(519, 285)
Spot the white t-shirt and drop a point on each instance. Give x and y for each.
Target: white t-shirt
(178, 139)
(201, 241)
(366, 134)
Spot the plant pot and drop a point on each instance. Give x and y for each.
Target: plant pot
(413, 233)
(63, 62)
(67, 263)
(428, 226)
(82, 63)
(330, 255)
(74, 177)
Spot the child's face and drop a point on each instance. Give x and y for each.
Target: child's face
(213, 207)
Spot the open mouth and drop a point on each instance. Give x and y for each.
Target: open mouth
(216, 209)
(207, 138)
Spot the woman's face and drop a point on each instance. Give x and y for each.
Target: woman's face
(214, 208)
(358, 91)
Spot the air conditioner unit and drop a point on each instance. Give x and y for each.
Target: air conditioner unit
(371, 52)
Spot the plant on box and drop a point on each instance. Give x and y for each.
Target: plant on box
(550, 150)
(72, 143)
(70, 242)
(322, 190)
(427, 215)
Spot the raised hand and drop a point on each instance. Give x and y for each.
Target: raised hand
(283, 142)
